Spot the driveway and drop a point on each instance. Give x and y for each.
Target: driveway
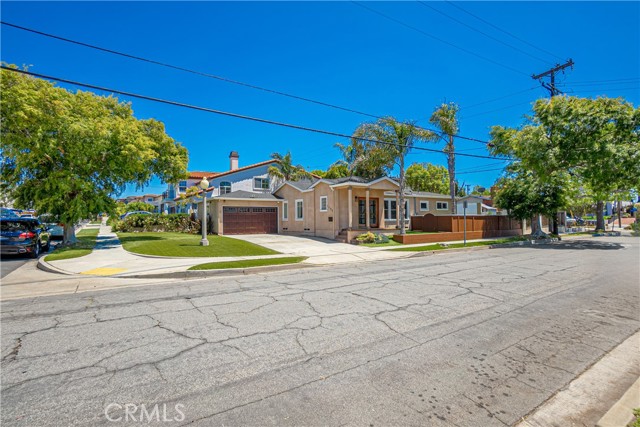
(320, 250)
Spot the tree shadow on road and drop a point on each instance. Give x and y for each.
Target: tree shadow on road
(577, 245)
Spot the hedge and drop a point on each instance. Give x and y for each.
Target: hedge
(172, 223)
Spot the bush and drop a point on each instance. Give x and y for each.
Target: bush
(172, 223)
(635, 228)
(370, 237)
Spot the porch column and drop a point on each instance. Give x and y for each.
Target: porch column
(367, 214)
(381, 223)
(350, 197)
(398, 209)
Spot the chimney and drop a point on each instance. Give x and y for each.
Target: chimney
(233, 160)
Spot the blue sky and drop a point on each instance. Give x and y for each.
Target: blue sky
(336, 52)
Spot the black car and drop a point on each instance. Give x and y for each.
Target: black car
(23, 236)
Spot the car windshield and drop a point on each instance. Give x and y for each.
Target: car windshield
(13, 226)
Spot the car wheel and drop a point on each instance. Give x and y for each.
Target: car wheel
(36, 250)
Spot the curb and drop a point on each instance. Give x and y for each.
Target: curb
(479, 248)
(45, 266)
(219, 272)
(621, 413)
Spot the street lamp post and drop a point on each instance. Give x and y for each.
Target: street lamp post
(204, 184)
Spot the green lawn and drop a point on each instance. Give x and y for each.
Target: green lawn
(249, 263)
(391, 242)
(439, 247)
(188, 245)
(84, 246)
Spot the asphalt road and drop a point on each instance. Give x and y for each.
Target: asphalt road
(10, 263)
(463, 339)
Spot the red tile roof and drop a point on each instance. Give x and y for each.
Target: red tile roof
(200, 175)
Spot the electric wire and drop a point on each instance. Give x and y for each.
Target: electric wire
(224, 113)
(454, 4)
(418, 30)
(208, 75)
(483, 33)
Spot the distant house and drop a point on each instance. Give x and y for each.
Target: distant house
(476, 205)
(171, 200)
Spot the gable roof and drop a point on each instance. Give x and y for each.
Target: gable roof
(255, 165)
(200, 174)
(244, 195)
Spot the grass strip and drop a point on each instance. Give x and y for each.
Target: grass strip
(188, 245)
(439, 246)
(85, 244)
(248, 263)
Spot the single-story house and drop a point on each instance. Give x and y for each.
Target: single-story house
(476, 205)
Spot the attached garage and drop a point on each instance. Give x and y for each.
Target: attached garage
(249, 220)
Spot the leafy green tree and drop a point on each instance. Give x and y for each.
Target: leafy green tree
(524, 196)
(337, 170)
(139, 206)
(69, 154)
(393, 140)
(445, 118)
(362, 159)
(428, 177)
(285, 169)
(595, 141)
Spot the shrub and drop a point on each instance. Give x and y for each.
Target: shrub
(635, 228)
(370, 237)
(367, 237)
(175, 223)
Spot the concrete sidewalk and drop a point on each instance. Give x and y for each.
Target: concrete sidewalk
(109, 258)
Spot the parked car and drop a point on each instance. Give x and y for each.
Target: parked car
(53, 225)
(134, 213)
(8, 213)
(23, 236)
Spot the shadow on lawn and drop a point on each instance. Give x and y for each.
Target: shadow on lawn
(138, 238)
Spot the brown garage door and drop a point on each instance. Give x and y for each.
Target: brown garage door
(251, 220)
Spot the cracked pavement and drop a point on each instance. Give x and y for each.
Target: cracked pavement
(460, 339)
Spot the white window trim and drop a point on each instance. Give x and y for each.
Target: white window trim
(442, 209)
(302, 203)
(424, 201)
(285, 211)
(388, 211)
(326, 203)
(263, 179)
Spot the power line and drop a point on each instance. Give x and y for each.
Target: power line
(203, 74)
(503, 30)
(607, 81)
(481, 171)
(498, 109)
(438, 38)
(483, 33)
(223, 113)
(499, 98)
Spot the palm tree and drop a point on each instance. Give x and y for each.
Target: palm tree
(389, 141)
(445, 118)
(285, 169)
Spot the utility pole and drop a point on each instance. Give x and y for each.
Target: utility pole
(553, 91)
(551, 86)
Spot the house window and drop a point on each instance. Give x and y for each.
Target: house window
(260, 183)
(149, 199)
(424, 205)
(391, 211)
(323, 203)
(285, 211)
(182, 186)
(225, 187)
(299, 210)
(442, 206)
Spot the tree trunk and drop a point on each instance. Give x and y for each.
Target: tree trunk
(554, 224)
(536, 228)
(451, 165)
(399, 209)
(600, 215)
(69, 234)
(620, 214)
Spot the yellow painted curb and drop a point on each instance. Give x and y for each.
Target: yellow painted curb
(105, 271)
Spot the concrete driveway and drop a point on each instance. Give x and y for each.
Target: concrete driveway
(320, 251)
